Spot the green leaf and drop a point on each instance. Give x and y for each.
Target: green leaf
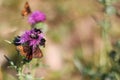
(8, 41)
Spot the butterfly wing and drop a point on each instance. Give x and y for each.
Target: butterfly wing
(21, 50)
(26, 11)
(25, 51)
(28, 50)
(37, 53)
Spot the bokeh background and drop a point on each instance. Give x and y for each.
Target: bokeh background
(73, 37)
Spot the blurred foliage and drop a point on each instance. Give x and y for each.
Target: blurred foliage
(110, 72)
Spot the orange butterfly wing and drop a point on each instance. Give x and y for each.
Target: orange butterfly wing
(20, 48)
(27, 52)
(37, 53)
(26, 11)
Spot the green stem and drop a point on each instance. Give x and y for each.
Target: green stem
(20, 73)
(104, 59)
(117, 76)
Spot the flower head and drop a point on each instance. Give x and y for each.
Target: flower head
(32, 38)
(36, 17)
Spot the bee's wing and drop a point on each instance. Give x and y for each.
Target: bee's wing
(37, 53)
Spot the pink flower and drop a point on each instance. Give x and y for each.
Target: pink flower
(36, 17)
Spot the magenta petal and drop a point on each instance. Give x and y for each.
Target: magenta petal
(36, 17)
(32, 37)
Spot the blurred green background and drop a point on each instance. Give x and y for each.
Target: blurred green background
(73, 38)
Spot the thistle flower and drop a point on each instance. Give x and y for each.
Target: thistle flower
(36, 17)
(32, 37)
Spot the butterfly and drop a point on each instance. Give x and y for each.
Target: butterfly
(27, 51)
(26, 11)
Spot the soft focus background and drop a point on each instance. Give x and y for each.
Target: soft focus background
(73, 38)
